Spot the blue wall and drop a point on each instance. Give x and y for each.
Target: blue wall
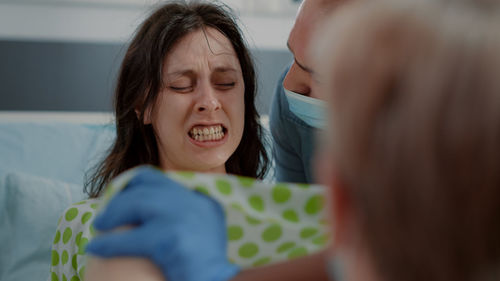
(75, 76)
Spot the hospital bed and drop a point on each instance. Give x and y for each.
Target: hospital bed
(44, 157)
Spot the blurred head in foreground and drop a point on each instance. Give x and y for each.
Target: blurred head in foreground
(412, 153)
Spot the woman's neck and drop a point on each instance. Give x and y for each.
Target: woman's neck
(215, 170)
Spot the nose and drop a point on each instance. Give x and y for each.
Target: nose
(298, 80)
(207, 100)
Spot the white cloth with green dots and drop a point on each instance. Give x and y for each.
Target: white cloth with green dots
(266, 222)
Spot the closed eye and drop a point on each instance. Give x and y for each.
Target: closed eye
(225, 86)
(181, 89)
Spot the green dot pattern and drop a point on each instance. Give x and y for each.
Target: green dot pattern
(67, 235)
(248, 250)
(321, 240)
(272, 233)
(78, 238)
(291, 216)
(74, 263)
(308, 232)
(262, 261)
(297, 253)
(57, 237)
(202, 189)
(186, 174)
(234, 232)
(86, 217)
(224, 187)
(252, 220)
(82, 273)
(92, 231)
(82, 245)
(281, 193)
(266, 222)
(71, 214)
(314, 205)
(55, 258)
(64, 257)
(246, 181)
(256, 202)
(285, 247)
(72, 234)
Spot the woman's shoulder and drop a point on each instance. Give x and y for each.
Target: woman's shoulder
(74, 230)
(80, 211)
(76, 221)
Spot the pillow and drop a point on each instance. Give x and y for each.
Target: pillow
(55, 150)
(30, 207)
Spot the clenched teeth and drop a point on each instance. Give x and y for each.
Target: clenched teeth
(207, 133)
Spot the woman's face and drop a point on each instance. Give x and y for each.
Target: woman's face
(199, 114)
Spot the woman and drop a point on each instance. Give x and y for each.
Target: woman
(184, 101)
(413, 155)
(158, 95)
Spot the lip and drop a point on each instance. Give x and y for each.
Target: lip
(208, 144)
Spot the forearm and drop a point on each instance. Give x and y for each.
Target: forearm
(307, 268)
(122, 269)
(302, 269)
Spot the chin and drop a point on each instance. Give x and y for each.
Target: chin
(217, 161)
(205, 167)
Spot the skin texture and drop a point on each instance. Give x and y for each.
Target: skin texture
(203, 85)
(199, 74)
(299, 78)
(122, 269)
(302, 79)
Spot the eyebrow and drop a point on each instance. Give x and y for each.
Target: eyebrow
(184, 72)
(189, 72)
(224, 69)
(305, 68)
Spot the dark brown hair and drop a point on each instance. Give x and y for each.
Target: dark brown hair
(415, 92)
(140, 81)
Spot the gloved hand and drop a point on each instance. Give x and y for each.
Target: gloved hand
(180, 230)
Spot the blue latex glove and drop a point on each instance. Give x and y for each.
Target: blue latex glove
(180, 230)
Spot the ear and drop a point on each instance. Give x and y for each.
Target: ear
(342, 212)
(338, 194)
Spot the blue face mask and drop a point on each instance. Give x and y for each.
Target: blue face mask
(310, 110)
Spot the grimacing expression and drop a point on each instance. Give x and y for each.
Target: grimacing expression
(198, 117)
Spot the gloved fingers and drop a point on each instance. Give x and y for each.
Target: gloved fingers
(226, 272)
(120, 243)
(121, 210)
(148, 194)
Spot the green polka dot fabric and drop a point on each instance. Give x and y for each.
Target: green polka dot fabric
(73, 232)
(266, 222)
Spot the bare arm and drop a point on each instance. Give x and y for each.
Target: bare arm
(307, 268)
(122, 269)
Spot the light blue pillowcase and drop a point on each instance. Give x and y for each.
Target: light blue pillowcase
(55, 150)
(30, 207)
